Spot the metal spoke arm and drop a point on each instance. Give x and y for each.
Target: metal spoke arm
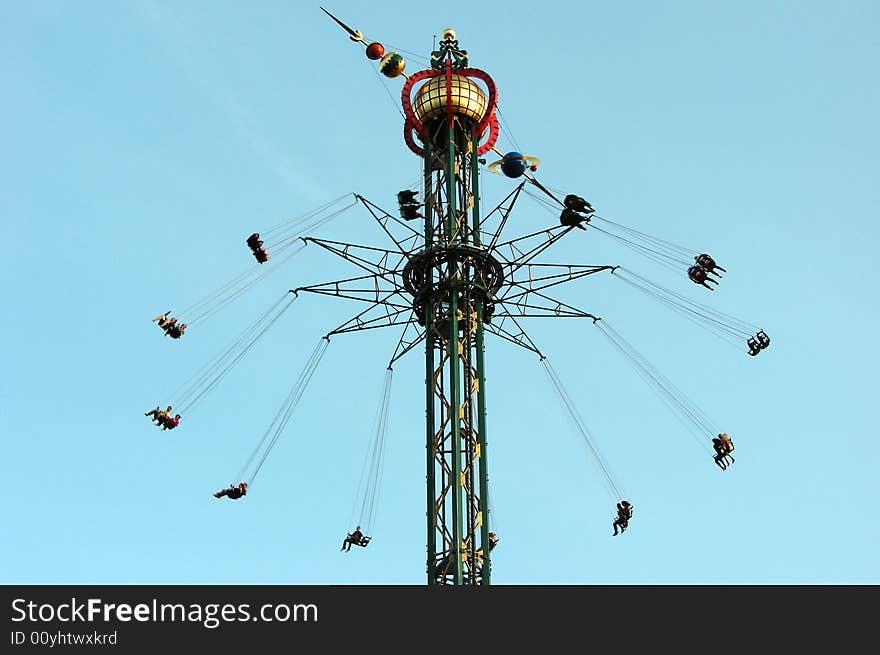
(378, 315)
(518, 338)
(411, 337)
(526, 307)
(537, 277)
(520, 251)
(504, 211)
(382, 217)
(365, 288)
(545, 190)
(357, 255)
(373, 324)
(540, 311)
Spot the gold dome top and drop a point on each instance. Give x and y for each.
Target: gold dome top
(468, 99)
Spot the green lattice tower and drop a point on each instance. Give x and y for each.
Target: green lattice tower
(453, 280)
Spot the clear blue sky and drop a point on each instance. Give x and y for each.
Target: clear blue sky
(143, 141)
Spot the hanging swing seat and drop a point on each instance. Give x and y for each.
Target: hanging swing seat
(362, 542)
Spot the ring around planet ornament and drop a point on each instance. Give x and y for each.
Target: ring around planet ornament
(514, 164)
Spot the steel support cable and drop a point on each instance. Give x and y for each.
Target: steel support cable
(302, 218)
(358, 509)
(682, 250)
(228, 366)
(722, 325)
(656, 249)
(581, 427)
(233, 355)
(280, 243)
(694, 317)
(257, 271)
(506, 126)
(552, 206)
(276, 428)
(413, 56)
(380, 465)
(655, 374)
(690, 406)
(370, 480)
(193, 382)
(278, 416)
(656, 255)
(493, 514)
(247, 286)
(672, 246)
(384, 85)
(698, 424)
(680, 413)
(234, 288)
(729, 322)
(249, 271)
(215, 377)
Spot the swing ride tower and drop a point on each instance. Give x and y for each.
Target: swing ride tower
(449, 279)
(452, 281)
(455, 280)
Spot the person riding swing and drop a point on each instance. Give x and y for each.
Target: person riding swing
(571, 218)
(256, 245)
(234, 492)
(727, 445)
(355, 538)
(708, 264)
(723, 445)
(162, 320)
(578, 204)
(718, 446)
(176, 331)
(701, 276)
(624, 514)
(762, 339)
(159, 415)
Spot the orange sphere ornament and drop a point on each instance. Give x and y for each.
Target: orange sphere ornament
(375, 50)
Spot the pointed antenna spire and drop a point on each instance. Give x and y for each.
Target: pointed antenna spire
(354, 35)
(391, 64)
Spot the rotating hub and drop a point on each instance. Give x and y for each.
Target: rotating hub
(469, 272)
